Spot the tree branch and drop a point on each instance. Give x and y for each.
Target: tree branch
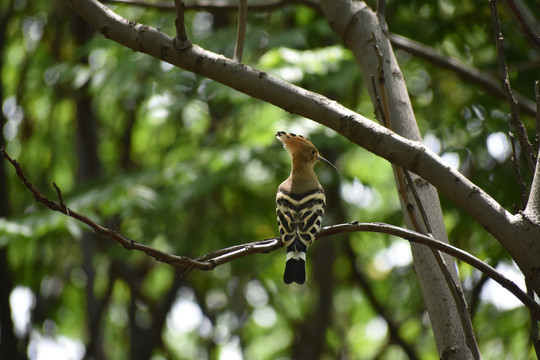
(520, 12)
(409, 154)
(207, 262)
(462, 255)
(222, 256)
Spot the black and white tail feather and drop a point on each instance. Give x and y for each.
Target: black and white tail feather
(299, 219)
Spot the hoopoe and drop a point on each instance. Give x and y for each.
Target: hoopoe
(300, 204)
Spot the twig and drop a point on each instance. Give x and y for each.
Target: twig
(386, 120)
(203, 263)
(505, 80)
(241, 32)
(61, 201)
(384, 117)
(523, 23)
(517, 173)
(181, 41)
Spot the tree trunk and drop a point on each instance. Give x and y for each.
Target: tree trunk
(365, 36)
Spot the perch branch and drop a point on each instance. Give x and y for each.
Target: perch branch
(222, 256)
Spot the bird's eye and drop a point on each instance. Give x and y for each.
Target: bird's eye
(313, 152)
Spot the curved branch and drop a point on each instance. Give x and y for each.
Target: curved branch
(377, 139)
(222, 256)
(419, 238)
(360, 130)
(207, 262)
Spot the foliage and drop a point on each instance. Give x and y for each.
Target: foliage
(190, 166)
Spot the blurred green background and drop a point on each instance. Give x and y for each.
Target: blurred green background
(187, 165)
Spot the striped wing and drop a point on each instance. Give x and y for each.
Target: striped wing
(300, 217)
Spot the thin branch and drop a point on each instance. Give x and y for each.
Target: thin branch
(60, 200)
(203, 263)
(462, 255)
(213, 259)
(514, 110)
(241, 32)
(520, 14)
(181, 41)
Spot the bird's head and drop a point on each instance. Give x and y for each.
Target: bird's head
(301, 149)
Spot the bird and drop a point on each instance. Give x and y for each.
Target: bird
(300, 203)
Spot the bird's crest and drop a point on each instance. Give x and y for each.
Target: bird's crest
(294, 142)
(301, 149)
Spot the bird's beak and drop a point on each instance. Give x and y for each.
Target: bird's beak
(320, 158)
